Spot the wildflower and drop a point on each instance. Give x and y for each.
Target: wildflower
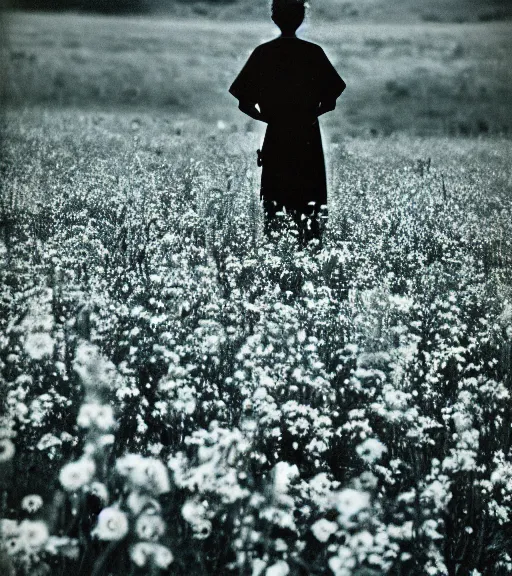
(343, 563)
(13, 544)
(152, 474)
(32, 503)
(366, 481)
(63, 545)
(361, 541)
(193, 511)
(95, 371)
(10, 536)
(99, 490)
(280, 568)
(138, 502)
(127, 464)
(202, 529)
(48, 441)
(284, 473)
(76, 474)
(141, 553)
(144, 552)
(163, 556)
(323, 529)
(33, 534)
(8, 528)
(112, 525)
(149, 526)
(38, 345)
(350, 502)
(371, 450)
(6, 450)
(105, 440)
(100, 416)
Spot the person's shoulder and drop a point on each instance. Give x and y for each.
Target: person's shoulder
(311, 46)
(266, 45)
(277, 43)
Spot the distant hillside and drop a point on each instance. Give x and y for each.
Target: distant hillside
(332, 10)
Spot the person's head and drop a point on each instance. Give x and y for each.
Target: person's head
(288, 15)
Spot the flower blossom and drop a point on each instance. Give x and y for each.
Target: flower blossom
(371, 450)
(323, 529)
(349, 503)
(33, 534)
(280, 568)
(100, 416)
(112, 525)
(7, 450)
(32, 503)
(38, 345)
(76, 474)
(149, 526)
(143, 553)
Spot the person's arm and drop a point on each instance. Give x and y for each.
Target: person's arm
(250, 109)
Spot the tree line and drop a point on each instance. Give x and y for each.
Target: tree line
(105, 6)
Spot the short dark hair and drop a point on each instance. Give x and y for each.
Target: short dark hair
(288, 14)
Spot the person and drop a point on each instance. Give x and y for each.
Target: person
(288, 83)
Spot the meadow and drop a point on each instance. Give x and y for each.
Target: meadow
(180, 394)
(424, 78)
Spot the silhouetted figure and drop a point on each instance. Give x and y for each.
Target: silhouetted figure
(288, 83)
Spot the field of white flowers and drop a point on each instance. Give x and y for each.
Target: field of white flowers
(181, 395)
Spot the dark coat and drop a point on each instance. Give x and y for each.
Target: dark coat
(288, 78)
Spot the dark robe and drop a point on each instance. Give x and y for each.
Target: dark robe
(288, 78)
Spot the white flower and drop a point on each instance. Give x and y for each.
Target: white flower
(162, 556)
(258, 565)
(343, 563)
(323, 529)
(9, 528)
(100, 491)
(149, 526)
(366, 481)
(7, 450)
(127, 464)
(33, 534)
(350, 502)
(95, 371)
(62, 545)
(193, 512)
(144, 552)
(284, 473)
(38, 345)
(141, 553)
(32, 503)
(280, 568)
(151, 474)
(202, 529)
(138, 502)
(371, 450)
(13, 544)
(76, 474)
(105, 440)
(100, 416)
(361, 541)
(48, 441)
(146, 473)
(112, 525)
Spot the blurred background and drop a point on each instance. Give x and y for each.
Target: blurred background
(442, 66)
(395, 11)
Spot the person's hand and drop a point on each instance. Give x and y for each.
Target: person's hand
(250, 109)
